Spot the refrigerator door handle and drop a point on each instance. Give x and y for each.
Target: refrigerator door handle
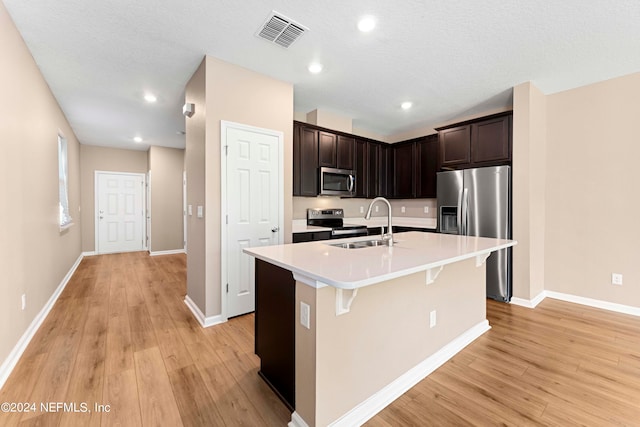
(459, 216)
(465, 212)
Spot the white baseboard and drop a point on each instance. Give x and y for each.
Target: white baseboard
(91, 253)
(605, 305)
(590, 302)
(10, 362)
(374, 404)
(205, 322)
(297, 421)
(529, 303)
(171, 252)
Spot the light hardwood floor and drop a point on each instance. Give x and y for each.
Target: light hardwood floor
(120, 335)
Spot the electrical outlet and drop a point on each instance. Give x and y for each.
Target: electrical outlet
(426, 209)
(377, 208)
(432, 319)
(24, 301)
(361, 209)
(616, 279)
(305, 313)
(403, 209)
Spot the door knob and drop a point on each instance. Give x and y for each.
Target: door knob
(101, 217)
(275, 229)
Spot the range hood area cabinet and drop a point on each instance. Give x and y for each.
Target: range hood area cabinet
(403, 170)
(477, 143)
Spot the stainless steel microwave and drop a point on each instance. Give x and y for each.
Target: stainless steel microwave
(337, 182)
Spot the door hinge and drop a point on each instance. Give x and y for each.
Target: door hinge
(227, 219)
(226, 150)
(227, 288)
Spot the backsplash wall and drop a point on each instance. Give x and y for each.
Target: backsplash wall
(414, 208)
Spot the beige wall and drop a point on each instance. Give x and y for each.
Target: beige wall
(234, 94)
(34, 255)
(167, 226)
(94, 159)
(194, 163)
(592, 200)
(385, 334)
(529, 178)
(329, 120)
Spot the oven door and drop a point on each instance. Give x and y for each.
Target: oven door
(337, 182)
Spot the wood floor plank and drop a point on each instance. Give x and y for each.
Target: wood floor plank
(197, 407)
(157, 402)
(121, 394)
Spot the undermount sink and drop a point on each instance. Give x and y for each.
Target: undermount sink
(360, 244)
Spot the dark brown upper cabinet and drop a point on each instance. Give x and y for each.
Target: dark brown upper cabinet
(345, 152)
(373, 171)
(426, 166)
(361, 165)
(404, 176)
(475, 143)
(490, 141)
(455, 146)
(305, 161)
(327, 149)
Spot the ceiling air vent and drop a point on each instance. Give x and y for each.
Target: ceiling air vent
(281, 30)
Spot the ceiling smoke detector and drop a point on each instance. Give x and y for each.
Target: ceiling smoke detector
(281, 30)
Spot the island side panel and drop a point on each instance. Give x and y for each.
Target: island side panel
(275, 328)
(305, 391)
(387, 332)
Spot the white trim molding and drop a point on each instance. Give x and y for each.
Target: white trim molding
(297, 421)
(374, 404)
(528, 303)
(171, 252)
(605, 305)
(204, 321)
(590, 302)
(10, 362)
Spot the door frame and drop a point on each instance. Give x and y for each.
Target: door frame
(224, 126)
(96, 204)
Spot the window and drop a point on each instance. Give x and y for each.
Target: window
(63, 184)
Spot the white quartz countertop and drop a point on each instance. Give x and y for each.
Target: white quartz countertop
(354, 268)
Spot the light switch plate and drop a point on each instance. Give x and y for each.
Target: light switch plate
(190, 210)
(432, 319)
(200, 211)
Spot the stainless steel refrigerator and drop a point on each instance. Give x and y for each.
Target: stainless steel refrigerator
(477, 202)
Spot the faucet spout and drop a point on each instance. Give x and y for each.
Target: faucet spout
(388, 236)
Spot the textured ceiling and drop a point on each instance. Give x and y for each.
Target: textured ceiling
(450, 58)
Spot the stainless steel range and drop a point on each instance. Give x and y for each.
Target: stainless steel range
(334, 218)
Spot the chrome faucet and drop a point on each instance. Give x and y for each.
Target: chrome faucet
(388, 236)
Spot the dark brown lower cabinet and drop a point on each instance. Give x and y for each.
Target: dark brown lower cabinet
(275, 329)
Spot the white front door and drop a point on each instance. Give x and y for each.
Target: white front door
(254, 206)
(119, 212)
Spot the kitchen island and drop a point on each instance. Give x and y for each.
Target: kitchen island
(374, 320)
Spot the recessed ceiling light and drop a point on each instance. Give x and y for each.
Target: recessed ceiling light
(149, 97)
(367, 23)
(137, 139)
(315, 68)
(406, 105)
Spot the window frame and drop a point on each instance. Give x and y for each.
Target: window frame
(64, 212)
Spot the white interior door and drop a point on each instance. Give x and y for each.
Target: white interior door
(120, 212)
(254, 208)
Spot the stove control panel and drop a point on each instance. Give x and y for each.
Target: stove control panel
(325, 213)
